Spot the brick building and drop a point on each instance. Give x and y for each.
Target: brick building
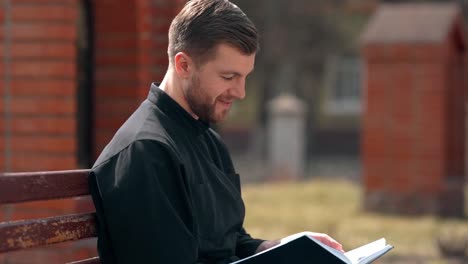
(415, 119)
(72, 72)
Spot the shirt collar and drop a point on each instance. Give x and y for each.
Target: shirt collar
(175, 111)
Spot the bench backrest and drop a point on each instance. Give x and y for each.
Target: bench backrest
(37, 186)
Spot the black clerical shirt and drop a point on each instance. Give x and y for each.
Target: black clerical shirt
(166, 191)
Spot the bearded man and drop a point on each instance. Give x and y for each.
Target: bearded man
(164, 188)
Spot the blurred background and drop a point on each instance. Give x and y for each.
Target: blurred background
(354, 123)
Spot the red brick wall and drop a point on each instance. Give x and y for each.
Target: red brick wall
(456, 126)
(130, 52)
(37, 47)
(413, 128)
(128, 57)
(38, 53)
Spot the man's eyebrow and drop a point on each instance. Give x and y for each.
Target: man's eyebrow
(235, 73)
(231, 72)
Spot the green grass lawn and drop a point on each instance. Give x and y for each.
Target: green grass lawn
(275, 210)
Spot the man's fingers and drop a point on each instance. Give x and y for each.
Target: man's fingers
(336, 245)
(329, 241)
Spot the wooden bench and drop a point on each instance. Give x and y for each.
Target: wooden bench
(37, 186)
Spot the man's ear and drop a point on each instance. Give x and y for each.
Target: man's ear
(183, 65)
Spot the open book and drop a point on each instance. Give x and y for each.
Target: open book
(301, 248)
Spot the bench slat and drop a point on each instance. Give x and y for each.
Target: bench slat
(23, 187)
(39, 232)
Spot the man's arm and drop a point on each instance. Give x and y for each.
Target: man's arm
(145, 211)
(246, 245)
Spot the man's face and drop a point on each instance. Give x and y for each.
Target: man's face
(216, 84)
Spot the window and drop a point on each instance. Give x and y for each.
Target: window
(343, 76)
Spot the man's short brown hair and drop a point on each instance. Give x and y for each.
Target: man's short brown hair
(203, 24)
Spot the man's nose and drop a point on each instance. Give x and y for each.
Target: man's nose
(238, 91)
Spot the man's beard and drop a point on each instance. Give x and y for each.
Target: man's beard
(201, 104)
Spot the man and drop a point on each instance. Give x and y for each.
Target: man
(165, 188)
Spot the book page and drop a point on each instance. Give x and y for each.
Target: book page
(375, 255)
(362, 252)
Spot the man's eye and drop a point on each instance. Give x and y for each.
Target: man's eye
(228, 78)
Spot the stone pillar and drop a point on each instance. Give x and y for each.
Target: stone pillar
(286, 139)
(413, 123)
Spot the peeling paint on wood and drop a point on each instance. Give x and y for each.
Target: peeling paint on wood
(31, 233)
(36, 186)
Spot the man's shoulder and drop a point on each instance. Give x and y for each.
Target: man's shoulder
(145, 124)
(138, 150)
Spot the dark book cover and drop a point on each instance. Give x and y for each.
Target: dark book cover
(302, 250)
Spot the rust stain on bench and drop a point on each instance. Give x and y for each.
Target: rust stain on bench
(32, 233)
(21, 187)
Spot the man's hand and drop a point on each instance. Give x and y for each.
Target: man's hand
(327, 240)
(266, 245)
